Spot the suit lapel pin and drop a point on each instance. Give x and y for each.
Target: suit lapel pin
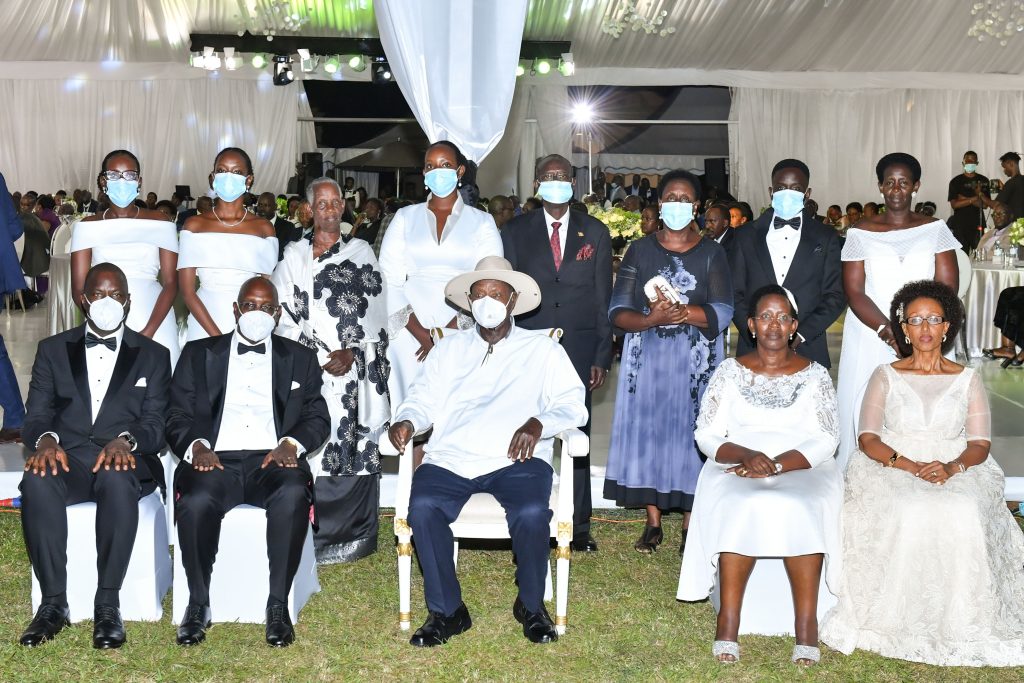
(579, 234)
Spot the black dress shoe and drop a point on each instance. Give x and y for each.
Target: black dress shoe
(107, 628)
(280, 632)
(584, 544)
(438, 628)
(47, 623)
(537, 626)
(192, 630)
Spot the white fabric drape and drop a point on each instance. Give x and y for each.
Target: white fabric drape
(56, 132)
(841, 135)
(455, 61)
(499, 172)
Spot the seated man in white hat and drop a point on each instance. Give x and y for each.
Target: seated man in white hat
(495, 395)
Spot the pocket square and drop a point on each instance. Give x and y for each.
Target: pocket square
(818, 249)
(295, 385)
(585, 253)
(141, 382)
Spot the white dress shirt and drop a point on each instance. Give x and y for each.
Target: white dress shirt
(563, 228)
(782, 243)
(247, 421)
(476, 399)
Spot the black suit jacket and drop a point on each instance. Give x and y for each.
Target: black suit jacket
(287, 232)
(575, 297)
(200, 382)
(136, 400)
(815, 279)
(727, 239)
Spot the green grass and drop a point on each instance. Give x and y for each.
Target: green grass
(624, 624)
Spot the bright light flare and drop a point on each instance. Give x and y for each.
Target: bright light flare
(582, 113)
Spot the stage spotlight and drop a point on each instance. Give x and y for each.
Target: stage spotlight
(332, 64)
(282, 70)
(259, 60)
(582, 113)
(520, 70)
(542, 66)
(567, 65)
(197, 60)
(357, 63)
(211, 61)
(231, 62)
(307, 62)
(381, 73)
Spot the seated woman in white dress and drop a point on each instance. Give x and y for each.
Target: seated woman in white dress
(223, 249)
(140, 242)
(770, 486)
(932, 557)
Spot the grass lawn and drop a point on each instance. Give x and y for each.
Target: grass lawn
(624, 624)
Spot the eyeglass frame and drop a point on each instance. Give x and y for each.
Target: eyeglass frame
(921, 319)
(113, 175)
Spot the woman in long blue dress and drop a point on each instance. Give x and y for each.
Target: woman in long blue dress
(673, 345)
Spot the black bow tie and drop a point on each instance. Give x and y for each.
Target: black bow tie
(245, 348)
(92, 340)
(782, 222)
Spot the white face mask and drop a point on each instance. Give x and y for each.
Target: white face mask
(489, 312)
(106, 314)
(256, 325)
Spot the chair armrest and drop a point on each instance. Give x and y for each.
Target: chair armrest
(385, 446)
(575, 443)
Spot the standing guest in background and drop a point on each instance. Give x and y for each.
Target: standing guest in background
(650, 219)
(427, 245)
(785, 247)
(811, 210)
(517, 209)
(716, 223)
(332, 297)
(285, 230)
(293, 203)
(673, 345)
(501, 210)
(97, 407)
(633, 189)
(968, 193)
(616, 190)
(391, 206)
(367, 225)
(569, 255)
(304, 216)
(739, 214)
(531, 204)
(647, 193)
(1011, 193)
(870, 210)
(11, 282)
(350, 191)
(882, 254)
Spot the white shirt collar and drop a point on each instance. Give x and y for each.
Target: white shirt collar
(237, 338)
(563, 221)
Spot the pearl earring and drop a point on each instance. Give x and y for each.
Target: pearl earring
(753, 335)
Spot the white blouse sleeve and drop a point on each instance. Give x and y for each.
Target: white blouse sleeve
(284, 280)
(393, 264)
(872, 409)
(712, 429)
(979, 419)
(822, 434)
(944, 239)
(853, 249)
(488, 239)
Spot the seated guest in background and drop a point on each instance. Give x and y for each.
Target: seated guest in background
(716, 224)
(332, 295)
(633, 203)
(368, 222)
(285, 230)
(770, 486)
(998, 234)
(501, 210)
(650, 219)
(304, 216)
(616, 189)
(495, 395)
(166, 207)
(531, 204)
(854, 211)
(931, 555)
(95, 423)
(151, 201)
(1009, 319)
(245, 408)
(870, 210)
(811, 211)
(293, 203)
(929, 208)
(45, 211)
(834, 216)
(88, 204)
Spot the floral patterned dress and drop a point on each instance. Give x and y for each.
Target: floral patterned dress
(653, 458)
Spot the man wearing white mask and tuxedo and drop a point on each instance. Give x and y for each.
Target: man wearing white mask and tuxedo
(245, 408)
(495, 395)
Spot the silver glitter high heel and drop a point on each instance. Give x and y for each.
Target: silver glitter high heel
(806, 652)
(725, 647)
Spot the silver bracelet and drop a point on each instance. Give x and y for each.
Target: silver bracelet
(881, 327)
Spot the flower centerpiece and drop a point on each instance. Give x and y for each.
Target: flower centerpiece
(622, 225)
(1016, 235)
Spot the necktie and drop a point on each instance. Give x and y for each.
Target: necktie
(782, 222)
(245, 348)
(92, 340)
(556, 244)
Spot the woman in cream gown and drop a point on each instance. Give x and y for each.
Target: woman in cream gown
(140, 242)
(932, 557)
(223, 249)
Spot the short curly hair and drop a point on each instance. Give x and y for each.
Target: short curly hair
(952, 310)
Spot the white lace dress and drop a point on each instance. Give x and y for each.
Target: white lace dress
(891, 259)
(930, 573)
(794, 513)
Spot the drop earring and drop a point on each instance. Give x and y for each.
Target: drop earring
(753, 335)
(906, 339)
(943, 337)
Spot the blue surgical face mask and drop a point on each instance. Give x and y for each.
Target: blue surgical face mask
(229, 186)
(555, 191)
(122, 192)
(787, 203)
(970, 168)
(441, 181)
(677, 215)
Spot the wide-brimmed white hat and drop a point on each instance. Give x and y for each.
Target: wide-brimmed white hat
(495, 268)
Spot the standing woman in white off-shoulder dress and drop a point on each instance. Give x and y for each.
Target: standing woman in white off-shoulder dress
(141, 242)
(223, 249)
(882, 253)
(425, 246)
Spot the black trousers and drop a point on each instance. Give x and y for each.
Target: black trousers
(44, 522)
(203, 498)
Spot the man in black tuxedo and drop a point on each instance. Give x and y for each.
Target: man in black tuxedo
(716, 223)
(569, 254)
(95, 416)
(245, 409)
(788, 248)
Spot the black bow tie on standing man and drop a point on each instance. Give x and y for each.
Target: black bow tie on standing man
(782, 222)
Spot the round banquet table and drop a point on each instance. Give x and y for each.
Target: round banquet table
(987, 281)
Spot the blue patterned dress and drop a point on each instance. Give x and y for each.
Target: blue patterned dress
(653, 458)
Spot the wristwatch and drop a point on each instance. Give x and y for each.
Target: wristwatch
(132, 443)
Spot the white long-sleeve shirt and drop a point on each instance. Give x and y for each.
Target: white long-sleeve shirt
(476, 400)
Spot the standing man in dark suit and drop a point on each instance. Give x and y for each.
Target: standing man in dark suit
(716, 223)
(95, 419)
(785, 247)
(569, 254)
(245, 408)
(286, 231)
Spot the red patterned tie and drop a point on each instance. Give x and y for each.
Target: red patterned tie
(556, 244)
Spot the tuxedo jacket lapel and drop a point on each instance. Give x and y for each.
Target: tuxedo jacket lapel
(126, 357)
(79, 369)
(217, 358)
(761, 247)
(539, 236)
(282, 376)
(804, 251)
(574, 237)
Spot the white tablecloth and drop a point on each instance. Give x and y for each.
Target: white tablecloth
(61, 313)
(986, 284)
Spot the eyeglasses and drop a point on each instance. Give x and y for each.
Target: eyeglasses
(782, 318)
(916, 320)
(118, 175)
(560, 176)
(246, 306)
